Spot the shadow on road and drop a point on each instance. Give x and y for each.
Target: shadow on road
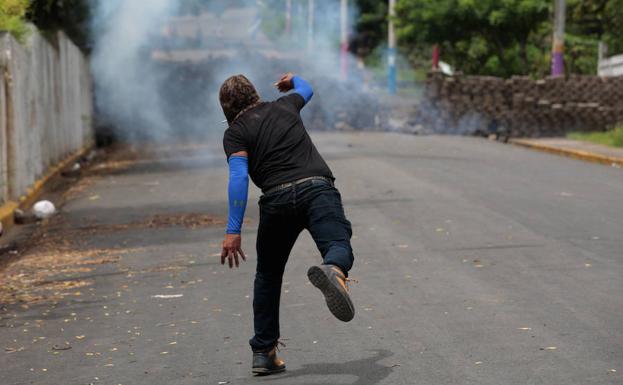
(368, 371)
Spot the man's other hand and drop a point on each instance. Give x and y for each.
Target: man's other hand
(232, 250)
(285, 83)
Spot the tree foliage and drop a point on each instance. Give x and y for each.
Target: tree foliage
(494, 37)
(70, 16)
(12, 14)
(589, 22)
(370, 26)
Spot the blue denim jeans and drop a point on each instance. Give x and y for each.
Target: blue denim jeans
(314, 205)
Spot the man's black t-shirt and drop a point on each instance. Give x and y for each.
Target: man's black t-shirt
(279, 148)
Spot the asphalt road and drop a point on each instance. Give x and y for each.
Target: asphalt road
(478, 263)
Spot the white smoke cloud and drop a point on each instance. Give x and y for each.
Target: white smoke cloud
(176, 95)
(127, 92)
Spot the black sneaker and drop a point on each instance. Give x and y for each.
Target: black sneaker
(332, 283)
(265, 363)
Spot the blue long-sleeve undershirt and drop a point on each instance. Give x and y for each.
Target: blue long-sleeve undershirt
(303, 88)
(238, 192)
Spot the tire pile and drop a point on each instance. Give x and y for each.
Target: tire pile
(520, 106)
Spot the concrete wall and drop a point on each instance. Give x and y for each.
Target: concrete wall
(612, 66)
(520, 106)
(45, 108)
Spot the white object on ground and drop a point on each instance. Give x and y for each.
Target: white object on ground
(43, 209)
(167, 296)
(446, 68)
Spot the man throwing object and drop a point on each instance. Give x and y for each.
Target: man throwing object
(268, 141)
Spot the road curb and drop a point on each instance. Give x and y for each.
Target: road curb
(7, 210)
(570, 153)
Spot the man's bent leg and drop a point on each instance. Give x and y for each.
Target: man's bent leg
(275, 238)
(330, 229)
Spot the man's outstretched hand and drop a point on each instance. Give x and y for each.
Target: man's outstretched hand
(285, 83)
(232, 250)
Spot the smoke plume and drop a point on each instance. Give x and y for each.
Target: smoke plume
(158, 68)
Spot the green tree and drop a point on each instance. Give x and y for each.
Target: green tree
(370, 26)
(597, 19)
(591, 22)
(12, 14)
(494, 37)
(70, 16)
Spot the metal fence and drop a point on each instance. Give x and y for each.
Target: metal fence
(45, 108)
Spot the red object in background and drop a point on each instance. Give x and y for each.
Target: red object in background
(344, 39)
(344, 60)
(435, 57)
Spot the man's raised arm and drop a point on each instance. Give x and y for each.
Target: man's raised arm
(303, 88)
(300, 86)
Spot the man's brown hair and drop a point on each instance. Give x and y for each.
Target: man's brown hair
(237, 95)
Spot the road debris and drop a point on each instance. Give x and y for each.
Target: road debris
(167, 296)
(43, 209)
(61, 347)
(73, 171)
(14, 350)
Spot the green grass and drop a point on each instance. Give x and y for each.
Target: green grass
(613, 138)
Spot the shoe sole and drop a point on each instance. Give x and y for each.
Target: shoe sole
(338, 303)
(266, 372)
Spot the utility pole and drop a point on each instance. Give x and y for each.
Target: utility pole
(344, 40)
(288, 17)
(310, 25)
(558, 48)
(391, 55)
